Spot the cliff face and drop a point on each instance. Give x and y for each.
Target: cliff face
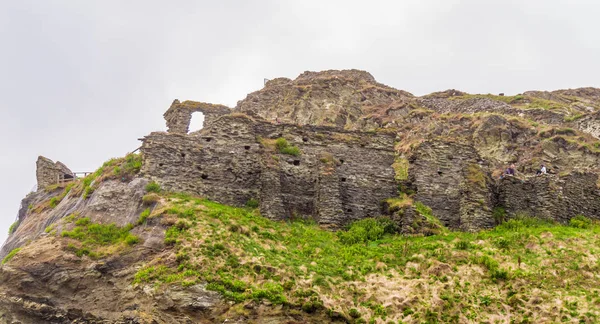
(333, 147)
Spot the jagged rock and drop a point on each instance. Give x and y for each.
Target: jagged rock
(332, 98)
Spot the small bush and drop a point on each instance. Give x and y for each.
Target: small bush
(143, 216)
(366, 230)
(580, 221)
(499, 274)
(354, 313)
(153, 187)
(10, 255)
(150, 199)
(252, 203)
(13, 227)
(284, 147)
(463, 245)
(133, 163)
(54, 202)
(499, 214)
(88, 192)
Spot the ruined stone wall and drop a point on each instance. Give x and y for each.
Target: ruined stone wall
(551, 197)
(179, 115)
(48, 172)
(338, 177)
(449, 178)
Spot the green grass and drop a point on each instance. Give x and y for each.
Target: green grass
(507, 99)
(513, 267)
(150, 198)
(143, 216)
(153, 187)
(116, 168)
(54, 201)
(10, 255)
(13, 227)
(97, 240)
(573, 117)
(252, 203)
(284, 147)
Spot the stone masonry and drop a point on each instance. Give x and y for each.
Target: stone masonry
(179, 115)
(49, 172)
(339, 176)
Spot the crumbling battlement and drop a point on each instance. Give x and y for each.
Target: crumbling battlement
(339, 176)
(179, 115)
(48, 172)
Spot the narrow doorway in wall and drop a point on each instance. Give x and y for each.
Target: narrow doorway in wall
(197, 122)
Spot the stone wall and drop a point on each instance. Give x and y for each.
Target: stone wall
(449, 178)
(551, 197)
(48, 172)
(179, 115)
(339, 176)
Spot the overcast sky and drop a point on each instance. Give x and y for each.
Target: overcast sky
(81, 81)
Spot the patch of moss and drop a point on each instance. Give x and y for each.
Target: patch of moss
(400, 166)
(10, 255)
(475, 175)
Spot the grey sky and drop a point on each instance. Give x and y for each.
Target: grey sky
(80, 81)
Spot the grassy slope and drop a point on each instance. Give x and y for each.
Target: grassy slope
(523, 270)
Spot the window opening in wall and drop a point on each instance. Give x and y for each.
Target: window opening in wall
(183, 155)
(208, 139)
(349, 210)
(197, 122)
(204, 176)
(343, 179)
(247, 147)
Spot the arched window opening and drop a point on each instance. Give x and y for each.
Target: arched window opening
(197, 122)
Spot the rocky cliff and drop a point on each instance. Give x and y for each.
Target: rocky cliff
(329, 147)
